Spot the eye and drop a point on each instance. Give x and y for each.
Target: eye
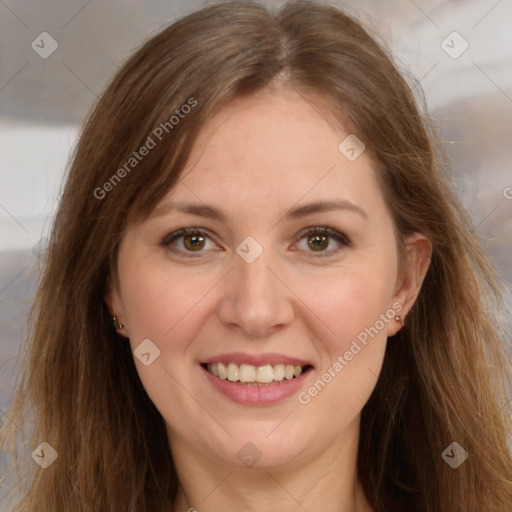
(191, 240)
(322, 240)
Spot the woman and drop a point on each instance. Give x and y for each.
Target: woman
(260, 293)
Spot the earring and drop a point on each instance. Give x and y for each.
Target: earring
(117, 327)
(399, 319)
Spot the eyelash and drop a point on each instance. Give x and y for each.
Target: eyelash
(334, 234)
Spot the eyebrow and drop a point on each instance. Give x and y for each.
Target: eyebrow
(324, 206)
(210, 212)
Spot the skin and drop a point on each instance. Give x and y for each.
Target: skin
(257, 158)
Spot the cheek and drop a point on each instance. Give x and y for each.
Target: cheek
(348, 305)
(146, 301)
(166, 307)
(352, 347)
(353, 305)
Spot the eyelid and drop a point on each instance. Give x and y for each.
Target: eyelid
(333, 233)
(181, 232)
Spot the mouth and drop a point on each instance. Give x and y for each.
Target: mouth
(256, 376)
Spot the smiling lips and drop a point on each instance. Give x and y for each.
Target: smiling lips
(262, 380)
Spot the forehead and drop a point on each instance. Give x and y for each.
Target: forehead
(274, 147)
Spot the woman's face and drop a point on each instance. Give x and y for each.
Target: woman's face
(289, 259)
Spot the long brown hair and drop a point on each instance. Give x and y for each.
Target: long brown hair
(80, 391)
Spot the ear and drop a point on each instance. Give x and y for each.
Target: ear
(418, 253)
(114, 305)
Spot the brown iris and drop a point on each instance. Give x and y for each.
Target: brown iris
(193, 242)
(318, 242)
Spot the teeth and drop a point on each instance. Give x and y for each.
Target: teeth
(279, 372)
(264, 374)
(222, 370)
(247, 373)
(233, 372)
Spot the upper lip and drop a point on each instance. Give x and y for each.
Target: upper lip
(256, 360)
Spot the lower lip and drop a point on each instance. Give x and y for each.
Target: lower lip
(257, 395)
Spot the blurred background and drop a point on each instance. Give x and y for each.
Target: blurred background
(56, 57)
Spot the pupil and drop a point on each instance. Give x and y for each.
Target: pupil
(317, 242)
(194, 242)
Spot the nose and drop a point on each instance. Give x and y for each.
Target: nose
(255, 301)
